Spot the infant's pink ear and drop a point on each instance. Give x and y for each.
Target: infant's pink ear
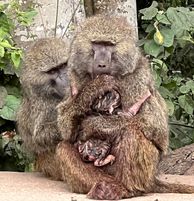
(74, 90)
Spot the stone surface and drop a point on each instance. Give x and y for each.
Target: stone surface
(70, 14)
(179, 161)
(16, 186)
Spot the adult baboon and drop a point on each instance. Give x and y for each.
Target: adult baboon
(45, 83)
(105, 45)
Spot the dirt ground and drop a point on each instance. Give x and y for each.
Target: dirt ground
(16, 186)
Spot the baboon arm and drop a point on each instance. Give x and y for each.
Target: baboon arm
(102, 127)
(154, 122)
(68, 115)
(71, 110)
(45, 133)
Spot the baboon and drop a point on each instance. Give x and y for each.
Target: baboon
(108, 103)
(138, 142)
(45, 83)
(97, 150)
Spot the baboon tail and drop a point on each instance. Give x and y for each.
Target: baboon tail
(166, 187)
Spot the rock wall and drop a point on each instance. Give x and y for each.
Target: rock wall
(69, 13)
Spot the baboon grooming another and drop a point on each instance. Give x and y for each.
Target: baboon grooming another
(45, 83)
(137, 142)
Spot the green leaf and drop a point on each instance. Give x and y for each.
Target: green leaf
(16, 58)
(161, 17)
(10, 107)
(181, 19)
(6, 44)
(185, 105)
(2, 51)
(151, 48)
(184, 89)
(190, 84)
(170, 106)
(27, 17)
(12, 90)
(3, 34)
(3, 6)
(165, 92)
(150, 12)
(157, 78)
(168, 35)
(150, 28)
(160, 64)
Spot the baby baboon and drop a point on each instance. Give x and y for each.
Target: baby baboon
(45, 83)
(105, 45)
(96, 151)
(108, 103)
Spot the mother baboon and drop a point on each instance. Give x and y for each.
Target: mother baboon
(105, 45)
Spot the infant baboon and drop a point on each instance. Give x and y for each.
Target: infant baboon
(97, 150)
(137, 143)
(45, 83)
(108, 103)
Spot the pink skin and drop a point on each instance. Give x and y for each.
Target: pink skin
(109, 159)
(133, 110)
(74, 90)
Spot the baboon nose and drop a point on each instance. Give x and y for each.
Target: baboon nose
(101, 65)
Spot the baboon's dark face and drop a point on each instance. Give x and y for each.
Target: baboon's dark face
(111, 59)
(90, 150)
(56, 83)
(102, 58)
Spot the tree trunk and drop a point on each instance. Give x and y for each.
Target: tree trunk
(180, 161)
(125, 8)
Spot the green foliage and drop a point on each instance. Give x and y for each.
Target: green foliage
(12, 16)
(11, 156)
(169, 40)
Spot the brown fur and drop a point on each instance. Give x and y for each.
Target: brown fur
(138, 142)
(37, 116)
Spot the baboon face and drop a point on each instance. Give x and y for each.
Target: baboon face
(102, 58)
(107, 58)
(90, 150)
(57, 81)
(104, 48)
(44, 73)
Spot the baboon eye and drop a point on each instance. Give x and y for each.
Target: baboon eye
(52, 71)
(62, 66)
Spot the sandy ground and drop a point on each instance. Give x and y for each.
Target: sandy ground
(16, 186)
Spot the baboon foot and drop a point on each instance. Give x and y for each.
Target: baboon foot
(107, 191)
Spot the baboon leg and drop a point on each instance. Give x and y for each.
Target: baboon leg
(136, 160)
(81, 177)
(48, 164)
